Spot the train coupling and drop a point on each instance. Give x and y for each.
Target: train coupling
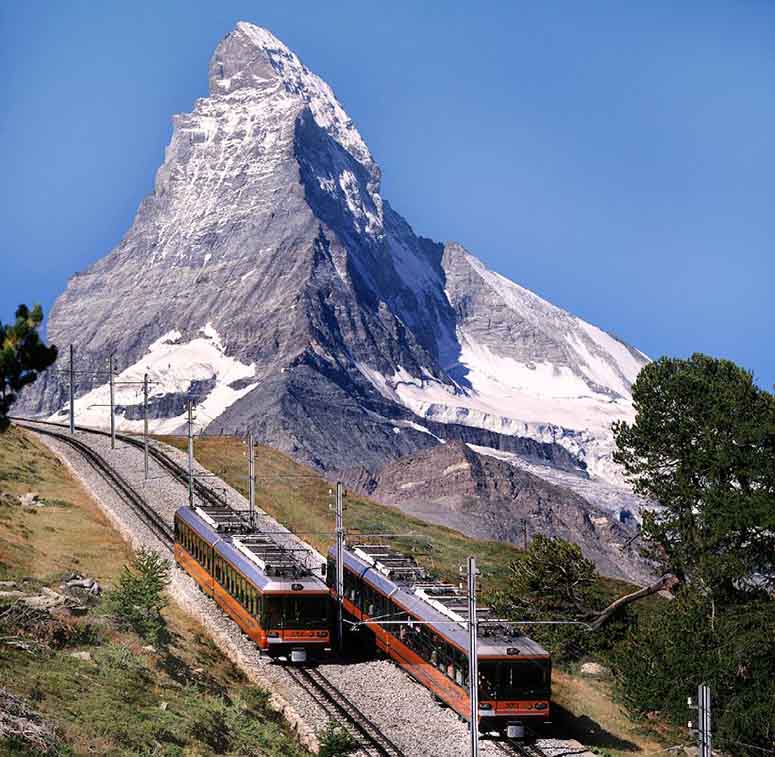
(515, 730)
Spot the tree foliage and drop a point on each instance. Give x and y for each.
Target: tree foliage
(553, 581)
(690, 641)
(139, 598)
(22, 356)
(703, 446)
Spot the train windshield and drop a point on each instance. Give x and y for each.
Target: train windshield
(296, 611)
(514, 679)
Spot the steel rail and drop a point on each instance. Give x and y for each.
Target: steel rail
(177, 470)
(340, 709)
(517, 748)
(118, 483)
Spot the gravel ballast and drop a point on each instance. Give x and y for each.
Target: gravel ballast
(403, 710)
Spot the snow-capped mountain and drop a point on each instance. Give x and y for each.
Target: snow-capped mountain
(266, 277)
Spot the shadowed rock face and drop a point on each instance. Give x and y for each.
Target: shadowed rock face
(266, 275)
(489, 499)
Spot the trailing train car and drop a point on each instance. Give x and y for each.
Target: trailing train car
(267, 591)
(514, 671)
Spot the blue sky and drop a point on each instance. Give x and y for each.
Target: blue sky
(616, 158)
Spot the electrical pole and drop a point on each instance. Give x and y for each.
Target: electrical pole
(72, 390)
(145, 424)
(190, 454)
(340, 563)
(473, 661)
(703, 720)
(251, 480)
(112, 405)
(703, 695)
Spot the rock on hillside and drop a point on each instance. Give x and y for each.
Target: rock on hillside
(487, 498)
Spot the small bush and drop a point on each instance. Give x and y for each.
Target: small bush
(336, 742)
(139, 599)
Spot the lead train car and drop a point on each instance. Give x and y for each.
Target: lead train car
(514, 671)
(274, 600)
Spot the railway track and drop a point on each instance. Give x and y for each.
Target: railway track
(118, 483)
(335, 704)
(523, 750)
(339, 708)
(207, 495)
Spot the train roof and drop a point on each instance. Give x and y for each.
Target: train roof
(443, 606)
(269, 565)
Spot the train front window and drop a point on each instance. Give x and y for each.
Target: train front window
(273, 612)
(514, 679)
(296, 612)
(306, 612)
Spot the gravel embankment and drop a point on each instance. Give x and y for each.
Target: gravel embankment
(405, 711)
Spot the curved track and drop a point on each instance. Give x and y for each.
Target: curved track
(206, 494)
(120, 485)
(337, 706)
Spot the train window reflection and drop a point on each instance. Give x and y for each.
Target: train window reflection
(295, 612)
(514, 679)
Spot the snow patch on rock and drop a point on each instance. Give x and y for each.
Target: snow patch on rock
(172, 367)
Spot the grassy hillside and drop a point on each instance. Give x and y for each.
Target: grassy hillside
(299, 498)
(119, 696)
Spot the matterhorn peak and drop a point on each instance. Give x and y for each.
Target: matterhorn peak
(251, 61)
(267, 229)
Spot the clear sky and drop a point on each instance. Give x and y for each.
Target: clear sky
(616, 158)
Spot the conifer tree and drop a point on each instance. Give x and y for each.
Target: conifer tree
(23, 355)
(703, 447)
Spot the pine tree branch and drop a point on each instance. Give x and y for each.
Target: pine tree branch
(666, 582)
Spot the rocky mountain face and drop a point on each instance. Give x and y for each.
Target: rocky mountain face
(267, 279)
(489, 499)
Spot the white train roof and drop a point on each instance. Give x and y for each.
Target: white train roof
(441, 605)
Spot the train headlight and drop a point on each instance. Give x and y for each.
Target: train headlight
(541, 706)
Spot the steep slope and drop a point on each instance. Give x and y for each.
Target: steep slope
(523, 367)
(489, 499)
(266, 278)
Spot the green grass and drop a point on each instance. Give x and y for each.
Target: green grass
(187, 699)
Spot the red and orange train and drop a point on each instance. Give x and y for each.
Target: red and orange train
(430, 639)
(287, 609)
(273, 597)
